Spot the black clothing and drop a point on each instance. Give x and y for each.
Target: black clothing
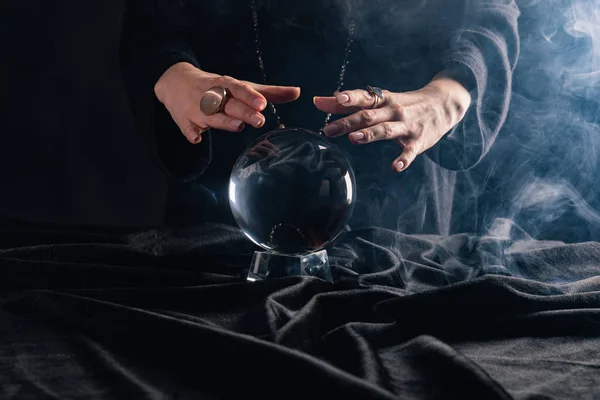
(399, 49)
(104, 136)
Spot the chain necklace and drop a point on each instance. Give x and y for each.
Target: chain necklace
(261, 64)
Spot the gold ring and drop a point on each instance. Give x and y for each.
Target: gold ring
(214, 100)
(377, 93)
(375, 102)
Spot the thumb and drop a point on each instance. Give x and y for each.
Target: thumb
(192, 133)
(408, 155)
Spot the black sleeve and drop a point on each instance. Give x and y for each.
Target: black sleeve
(481, 53)
(152, 42)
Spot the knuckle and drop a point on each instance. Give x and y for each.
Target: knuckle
(417, 132)
(344, 125)
(398, 111)
(245, 87)
(369, 136)
(368, 117)
(388, 130)
(226, 80)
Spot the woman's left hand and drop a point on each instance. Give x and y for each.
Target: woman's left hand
(416, 120)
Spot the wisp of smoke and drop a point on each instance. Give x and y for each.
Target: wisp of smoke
(551, 199)
(583, 21)
(543, 171)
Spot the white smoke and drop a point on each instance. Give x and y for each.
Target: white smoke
(583, 21)
(552, 199)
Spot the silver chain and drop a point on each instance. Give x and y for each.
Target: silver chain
(261, 64)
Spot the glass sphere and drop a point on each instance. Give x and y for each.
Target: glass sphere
(292, 191)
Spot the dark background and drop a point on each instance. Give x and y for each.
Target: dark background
(70, 149)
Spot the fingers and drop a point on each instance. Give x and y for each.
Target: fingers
(248, 99)
(390, 130)
(332, 105)
(218, 121)
(193, 133)
(363, 119)
(244, 92)
(359, 98)
(382, 131)
(348, 101)
(277, 94)
(225, 122)
(242, 112)
(182, 89)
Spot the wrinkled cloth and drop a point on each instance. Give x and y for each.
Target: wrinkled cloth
(165, 314)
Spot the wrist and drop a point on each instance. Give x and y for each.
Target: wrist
(453, 97)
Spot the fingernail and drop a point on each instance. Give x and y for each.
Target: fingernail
(259, 104)
(342, 98)
(357, 136)
(236, 124)
(257, 120)
(399, 166)
(330, 130)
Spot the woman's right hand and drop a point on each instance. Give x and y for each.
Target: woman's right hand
(182, 86)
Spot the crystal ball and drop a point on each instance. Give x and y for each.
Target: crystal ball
(292, 191)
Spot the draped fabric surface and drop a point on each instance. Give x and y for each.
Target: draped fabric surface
(157, 314)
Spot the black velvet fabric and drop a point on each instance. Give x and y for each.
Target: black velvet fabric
(162, 314)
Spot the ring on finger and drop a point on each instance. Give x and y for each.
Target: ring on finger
(214, 100)
(377, 94)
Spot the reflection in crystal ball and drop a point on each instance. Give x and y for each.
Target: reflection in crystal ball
(292, 191)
